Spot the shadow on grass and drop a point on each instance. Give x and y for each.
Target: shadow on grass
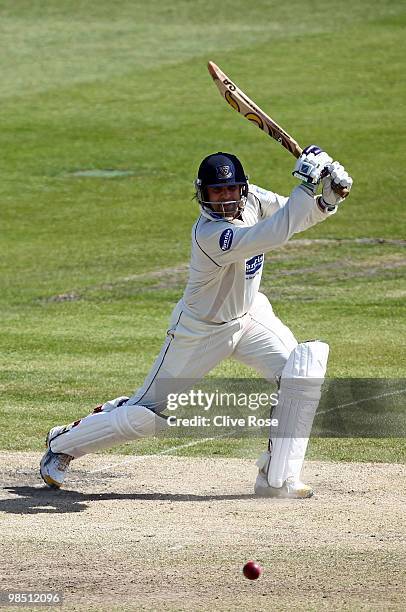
(41, 500)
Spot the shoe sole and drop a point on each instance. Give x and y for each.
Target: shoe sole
(274, 493)
(50, 482)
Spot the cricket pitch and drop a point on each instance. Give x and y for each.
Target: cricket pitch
(172, 533)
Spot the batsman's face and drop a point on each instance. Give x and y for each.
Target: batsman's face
(226, 201)
(223, 194)
(218, 196)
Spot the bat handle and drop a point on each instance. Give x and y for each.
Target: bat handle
(341, 191)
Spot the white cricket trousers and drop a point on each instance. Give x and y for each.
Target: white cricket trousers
(192, 348)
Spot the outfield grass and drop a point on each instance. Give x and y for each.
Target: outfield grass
(124, 86)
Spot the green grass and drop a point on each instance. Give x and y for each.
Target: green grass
(125, 86)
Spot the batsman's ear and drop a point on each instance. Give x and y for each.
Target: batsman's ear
(197, 183)
(198, 190)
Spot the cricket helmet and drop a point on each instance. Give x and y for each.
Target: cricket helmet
(218, 170)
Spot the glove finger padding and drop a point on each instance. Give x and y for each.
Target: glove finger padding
(310, 165)
(339, 175)
(336, 185)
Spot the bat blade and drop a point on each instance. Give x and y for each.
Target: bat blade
(240, 102)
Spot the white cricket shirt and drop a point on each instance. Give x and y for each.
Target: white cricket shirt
(227, 257)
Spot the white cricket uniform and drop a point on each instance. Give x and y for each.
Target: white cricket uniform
(222, 313)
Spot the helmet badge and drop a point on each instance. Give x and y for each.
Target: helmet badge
(224, 172)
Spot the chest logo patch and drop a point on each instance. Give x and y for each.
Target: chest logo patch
(253, 265)
(226, 239)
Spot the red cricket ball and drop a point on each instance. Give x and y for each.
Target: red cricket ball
(252, 570)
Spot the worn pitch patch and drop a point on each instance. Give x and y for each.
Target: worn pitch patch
(101, 173)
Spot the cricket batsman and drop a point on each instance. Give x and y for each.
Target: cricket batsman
(223, 314)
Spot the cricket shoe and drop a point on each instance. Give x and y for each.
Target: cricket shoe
(54, 466)
(291, 489)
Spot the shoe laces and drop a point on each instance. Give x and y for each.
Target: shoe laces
(63, 461)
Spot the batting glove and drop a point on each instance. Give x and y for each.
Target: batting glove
(336, 185)
(310, 165)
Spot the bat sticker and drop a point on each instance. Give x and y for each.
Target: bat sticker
(232, 102)
(255, 119)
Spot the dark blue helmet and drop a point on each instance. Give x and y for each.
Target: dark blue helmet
(218, 170)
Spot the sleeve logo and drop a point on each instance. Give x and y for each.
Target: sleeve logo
(226, 239)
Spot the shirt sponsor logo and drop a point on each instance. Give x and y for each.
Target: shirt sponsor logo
(253, 265)
(226, 239)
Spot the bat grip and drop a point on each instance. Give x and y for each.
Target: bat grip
(339, 189)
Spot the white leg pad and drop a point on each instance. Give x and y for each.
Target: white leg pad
(299, 396)
(107, 428)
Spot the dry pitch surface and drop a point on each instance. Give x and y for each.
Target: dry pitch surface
(172, 533)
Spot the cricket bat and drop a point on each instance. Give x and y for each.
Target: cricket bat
(240, 102)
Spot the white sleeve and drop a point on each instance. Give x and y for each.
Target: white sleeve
(269, 202)
(231, 243)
